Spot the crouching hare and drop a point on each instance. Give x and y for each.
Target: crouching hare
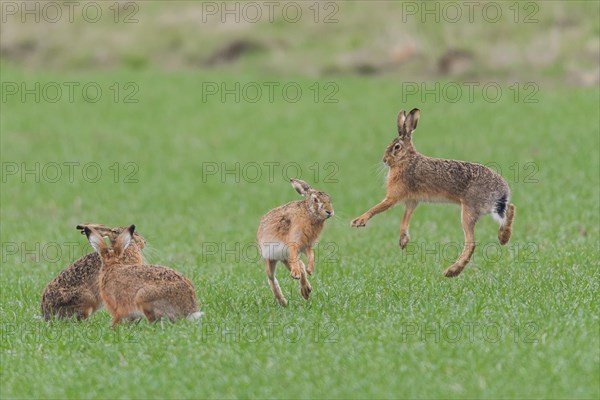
(130, 291)
(413, 178)
(291, 229)
(75, 291)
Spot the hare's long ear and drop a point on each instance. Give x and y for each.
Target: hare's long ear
(401, 119)
(412, 120)
(99, 228)
(96, 241)
(123, 240)
(81, 227)
(300, 186)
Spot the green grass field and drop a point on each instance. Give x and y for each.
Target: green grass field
(521, 321)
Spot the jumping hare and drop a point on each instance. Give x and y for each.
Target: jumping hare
(130, 291)
(75, 291)
(291, 229)
(413, 178)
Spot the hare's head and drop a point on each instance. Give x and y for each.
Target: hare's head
(318, 203)
(114, 253)
(113, 233)
(136, 237)
(402, 145)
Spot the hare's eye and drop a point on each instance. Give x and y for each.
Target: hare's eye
(397, 146)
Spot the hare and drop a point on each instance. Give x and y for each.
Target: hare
(413, 178)
(291, 229)
(75, 291)
(129, 291)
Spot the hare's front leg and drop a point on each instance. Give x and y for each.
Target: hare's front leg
(310, 255)
(295, 265)
(379, 208)
(469, 219)
(408, 212)
(305, 287)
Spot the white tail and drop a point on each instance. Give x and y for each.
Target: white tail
(195, 316)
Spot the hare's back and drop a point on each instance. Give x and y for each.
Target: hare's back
(152, 272)
(84, 270)
(278, 221)
(452, 177)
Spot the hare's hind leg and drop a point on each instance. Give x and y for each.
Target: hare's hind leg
(149, 313)
(153, 303)
(506, 228)
(469, 219)
(115, 320)
(408, 212)
(87, 305)
(270, 266)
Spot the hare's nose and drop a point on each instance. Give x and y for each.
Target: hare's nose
(329, 213)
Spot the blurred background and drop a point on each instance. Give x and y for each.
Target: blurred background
(550, 41)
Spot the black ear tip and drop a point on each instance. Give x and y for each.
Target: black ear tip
(87, 231)
(131, 229)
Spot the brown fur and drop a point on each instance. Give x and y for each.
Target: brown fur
(289, 230)
(506, 229)
(415, 178)
(75, 291)
(132, 290)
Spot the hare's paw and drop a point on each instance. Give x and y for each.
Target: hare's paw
(452, 271)
(310, 269)
(296, 273)
(360, 221)
(283, 302)
(404, 239)
(305, 290)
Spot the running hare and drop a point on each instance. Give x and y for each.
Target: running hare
(291, 229)
(132, 290)
(413, 178)
(75, 291)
